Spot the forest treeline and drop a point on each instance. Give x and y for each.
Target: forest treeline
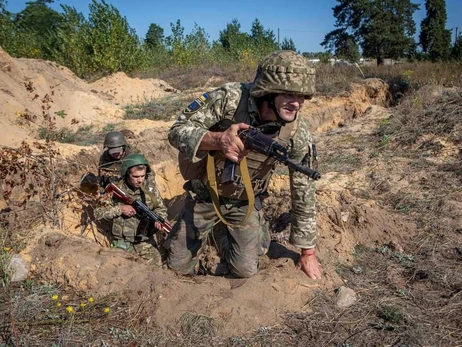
(104, 42)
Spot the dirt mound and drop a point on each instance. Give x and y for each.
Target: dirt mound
(345, 130)
(25, 82)
(324, 113)
(123, 90)
(235, 303)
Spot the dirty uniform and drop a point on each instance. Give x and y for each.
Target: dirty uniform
(133, 234)
(109, 168)
(247, 242)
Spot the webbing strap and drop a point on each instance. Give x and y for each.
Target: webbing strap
(213, 188)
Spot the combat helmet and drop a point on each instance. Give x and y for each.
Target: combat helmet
(131, 160)
(284, 72)
(114, 139)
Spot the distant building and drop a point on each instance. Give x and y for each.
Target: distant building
(362, 61)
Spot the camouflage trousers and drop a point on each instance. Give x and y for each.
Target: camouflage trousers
(147, 250)
(241, 247)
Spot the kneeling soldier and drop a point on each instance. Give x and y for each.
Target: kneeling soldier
(130, 231)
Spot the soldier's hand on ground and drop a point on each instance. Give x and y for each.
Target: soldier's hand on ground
(231, 144)
(309, 264)
(128, 210)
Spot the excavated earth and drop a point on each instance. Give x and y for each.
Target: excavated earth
(346, 218)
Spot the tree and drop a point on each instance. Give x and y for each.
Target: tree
(435, 39)
(347, 49)
(235, 43)
(73, 48)
(456, 52)
(264, 41)
(288, 45)
(382, 28)
(154, 36)
(190, 49)
(36, 27)
(232, 38)
(114, 44)
(6, 25)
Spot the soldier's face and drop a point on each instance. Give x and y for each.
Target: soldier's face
(116, 152)
(288, 105)
(136, 177)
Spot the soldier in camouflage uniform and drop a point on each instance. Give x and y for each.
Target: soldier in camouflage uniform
(115, 150)
(129, 232)
(283, 81)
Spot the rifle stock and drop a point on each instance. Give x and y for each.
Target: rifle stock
(141, 209)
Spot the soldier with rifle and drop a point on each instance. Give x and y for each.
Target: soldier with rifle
(229, 142)
(136, 210)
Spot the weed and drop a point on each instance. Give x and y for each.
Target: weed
(390, 314)
(163, 109)
(110, 127)
(61, 113)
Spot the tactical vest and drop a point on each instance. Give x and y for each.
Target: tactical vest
(133, 229)
(259, 165)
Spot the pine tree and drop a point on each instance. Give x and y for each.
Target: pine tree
(382, 28)
(435, 39)
(456, 52)
(154, 36)
(288, 45)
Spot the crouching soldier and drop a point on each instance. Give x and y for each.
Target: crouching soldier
(130, 231)
(116, 149)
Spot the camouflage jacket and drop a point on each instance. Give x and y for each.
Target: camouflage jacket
(132, 228)
(109, 169)
(187, 132)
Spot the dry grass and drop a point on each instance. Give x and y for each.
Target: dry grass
(403, 301)
(200, 76)
(409, 297)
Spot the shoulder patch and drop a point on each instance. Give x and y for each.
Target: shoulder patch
(197, 104)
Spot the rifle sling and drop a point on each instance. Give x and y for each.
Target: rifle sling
(155, 202)
(213, 188)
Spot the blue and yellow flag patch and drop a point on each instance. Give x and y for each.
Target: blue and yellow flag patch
(197, 104)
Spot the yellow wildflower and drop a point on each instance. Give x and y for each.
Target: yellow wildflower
(59, 304)
(107, 309)
(55, 297)
(82, 304)
(69, 309)
(7, 249)
(90, 299)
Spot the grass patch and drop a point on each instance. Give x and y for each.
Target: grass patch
(390, 314)
(165, 109)
(83, 136)
(342, 162)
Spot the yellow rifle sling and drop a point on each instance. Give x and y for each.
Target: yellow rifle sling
(213, 188)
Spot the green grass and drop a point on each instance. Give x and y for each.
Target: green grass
(165, 109)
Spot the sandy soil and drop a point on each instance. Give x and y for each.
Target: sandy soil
(86, 264)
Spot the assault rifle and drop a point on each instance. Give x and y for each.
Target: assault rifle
(255, 140)
(141, 209)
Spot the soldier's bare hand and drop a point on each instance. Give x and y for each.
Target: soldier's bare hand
(231, 144)
(128, 210)
(310, 266)
(158, 225)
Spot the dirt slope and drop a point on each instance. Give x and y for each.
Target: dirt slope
(96, 104)
(241, 305)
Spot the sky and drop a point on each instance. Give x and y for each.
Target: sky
(306, 22)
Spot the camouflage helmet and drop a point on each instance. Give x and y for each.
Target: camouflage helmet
(114, 139)
(284, 72)
(131, 160)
